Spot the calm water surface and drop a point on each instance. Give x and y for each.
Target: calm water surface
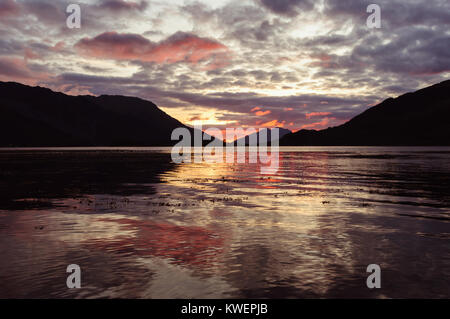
(140, 226)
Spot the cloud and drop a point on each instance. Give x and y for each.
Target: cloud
(121, 5)
(394, 13)
(180, 47)
(415, 51)
(30, 55)
(287, 57)
(287, 7)
(197, 118)
(47, 11)
(229, 107)
(14, 69)
(11, 47)
(317, 125)
(273, 123)
(263, 113)
(258, 112)
(314, 114)
(9, 8)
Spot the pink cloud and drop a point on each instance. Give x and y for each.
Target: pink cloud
(315, 114)
(274, 123)
(30, 55)
(15, 69)
(318, 125)
(180, 47)
(321, 57)
(259, 112)
(262, 113)
(59, 46)
(9, 8)
(71, 89)
(323, 60)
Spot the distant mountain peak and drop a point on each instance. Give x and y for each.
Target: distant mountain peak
(256, 136)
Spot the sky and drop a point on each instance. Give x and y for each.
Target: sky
(296, 64)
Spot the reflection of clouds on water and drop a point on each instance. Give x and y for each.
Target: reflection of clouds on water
(165, 230)
(175, 281)
(189, 245)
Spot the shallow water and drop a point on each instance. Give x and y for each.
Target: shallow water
(140, 226)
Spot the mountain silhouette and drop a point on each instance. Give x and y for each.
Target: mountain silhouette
(419, 118)
(258, 136)
(36, 116)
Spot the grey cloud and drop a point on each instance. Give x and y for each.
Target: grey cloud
(120, 5)
(287, 7)
(10, 47)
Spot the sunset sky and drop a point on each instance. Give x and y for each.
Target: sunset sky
(263, 63)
